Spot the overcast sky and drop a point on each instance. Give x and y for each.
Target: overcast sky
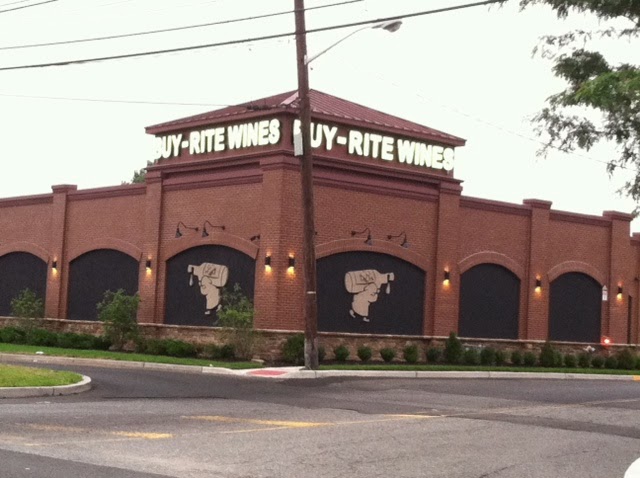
(470, 73)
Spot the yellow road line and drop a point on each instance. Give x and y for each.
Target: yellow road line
(273, 423)
(119, 433)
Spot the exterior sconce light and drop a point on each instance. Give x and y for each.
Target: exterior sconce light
(619, 296)
(538, 284)
(179, 233)
(255, 238)
(292, 265)
(54, 265)
(447, 278)
(148, 265)
(369, 240)
(404, 242)
(267, 263)
(205, 233)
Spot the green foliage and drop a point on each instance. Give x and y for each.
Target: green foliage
(584, 360)
(488, 356)
(597, 361)
(471, 357)
(602, 100)
(364, 353)
(434, 354)
(570, 361)
(341, 353)
(41, 337)
(118, 313)
(12, 335)
(140, 175)
(387, 354)
(626, 359)
(27, 305)
(611, 362)
(638, 363)
(411, 354)
(219, 352)
(517, 358)
(501, 357)
(179, 348)
(236, 316)
(529, 359)
(70, 340)
(453, 350)
(322, 353)
(549, 356)
(293, 349)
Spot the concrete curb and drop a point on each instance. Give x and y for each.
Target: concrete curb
(29, 392)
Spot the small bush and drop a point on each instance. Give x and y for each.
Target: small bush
(501, 357)
(118, 312)
(516, 358)
(27, 305)
(364, 353)
(529, 359)
(453, 350)
(12, 335)
(178, 348)
(548, 356)
(155, 347)
(626, 359)
(584, 360)
(597, 361)
(488, 356)
(41, 337)
(341, 353)
(570, 361)
(322, 353)
(236, 316)
(101, 343)
(410, 353)
(471, 357)
(611, 362)
(387, 354)
(293, 349)
(434, 354)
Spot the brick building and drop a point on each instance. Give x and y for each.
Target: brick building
(400, 250)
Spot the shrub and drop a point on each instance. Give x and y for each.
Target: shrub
(488, 356)
(529, 359)
(597, 361)
(118, 312)
(626, 359)
(548, 357)
(236, 315)
(41, 337)
(471, 357)
(322, 353)
(410, 353)
(228, 352)
(219, 352)
(434, 354)
(341, 353)
(453, 349)
(155, 347)
(584, 360)
(501, 357)
(178, 348)
(516, 358)
(27, 305)
(101, 343)
(364, 353)
(570, 361)
(638, 362)
(12, 335)
(387, 354)
(611, 362)
(293, 349)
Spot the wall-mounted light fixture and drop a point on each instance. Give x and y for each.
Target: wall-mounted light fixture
(148, 265)
(292, 264)
(447, 277)
(255, 238)
(538, 284)
(368, 241)
(403, 234)
(205, 233)
(54, 265)
(267, 263)
(619, 296)
(179, 232)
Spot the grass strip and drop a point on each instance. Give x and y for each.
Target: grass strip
(125, 356)
(12, 376)
(469, 368)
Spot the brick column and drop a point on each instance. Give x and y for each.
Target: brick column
(56, 277)
(148, 279)
(446, 297)
(621, 274)
(535, 325)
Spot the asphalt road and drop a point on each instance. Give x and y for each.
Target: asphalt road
(139, 424)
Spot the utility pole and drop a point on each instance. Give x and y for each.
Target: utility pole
(309, 252)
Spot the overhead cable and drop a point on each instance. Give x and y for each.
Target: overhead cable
(26, 6)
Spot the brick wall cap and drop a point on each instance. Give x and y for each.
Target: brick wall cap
(537, 203)
(618, 216)
(61, 188)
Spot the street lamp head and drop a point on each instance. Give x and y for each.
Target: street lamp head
(390, 26)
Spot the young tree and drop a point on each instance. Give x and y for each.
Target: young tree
(594, 85)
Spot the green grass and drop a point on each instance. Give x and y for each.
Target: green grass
(465, 368)
(131, 357)
(11, 376)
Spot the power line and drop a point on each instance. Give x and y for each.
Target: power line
(26, 6)
(246, 40)
(110, 100)
(13, 3)
(165, 30)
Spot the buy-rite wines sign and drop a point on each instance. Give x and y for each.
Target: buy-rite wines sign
(268, 132)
